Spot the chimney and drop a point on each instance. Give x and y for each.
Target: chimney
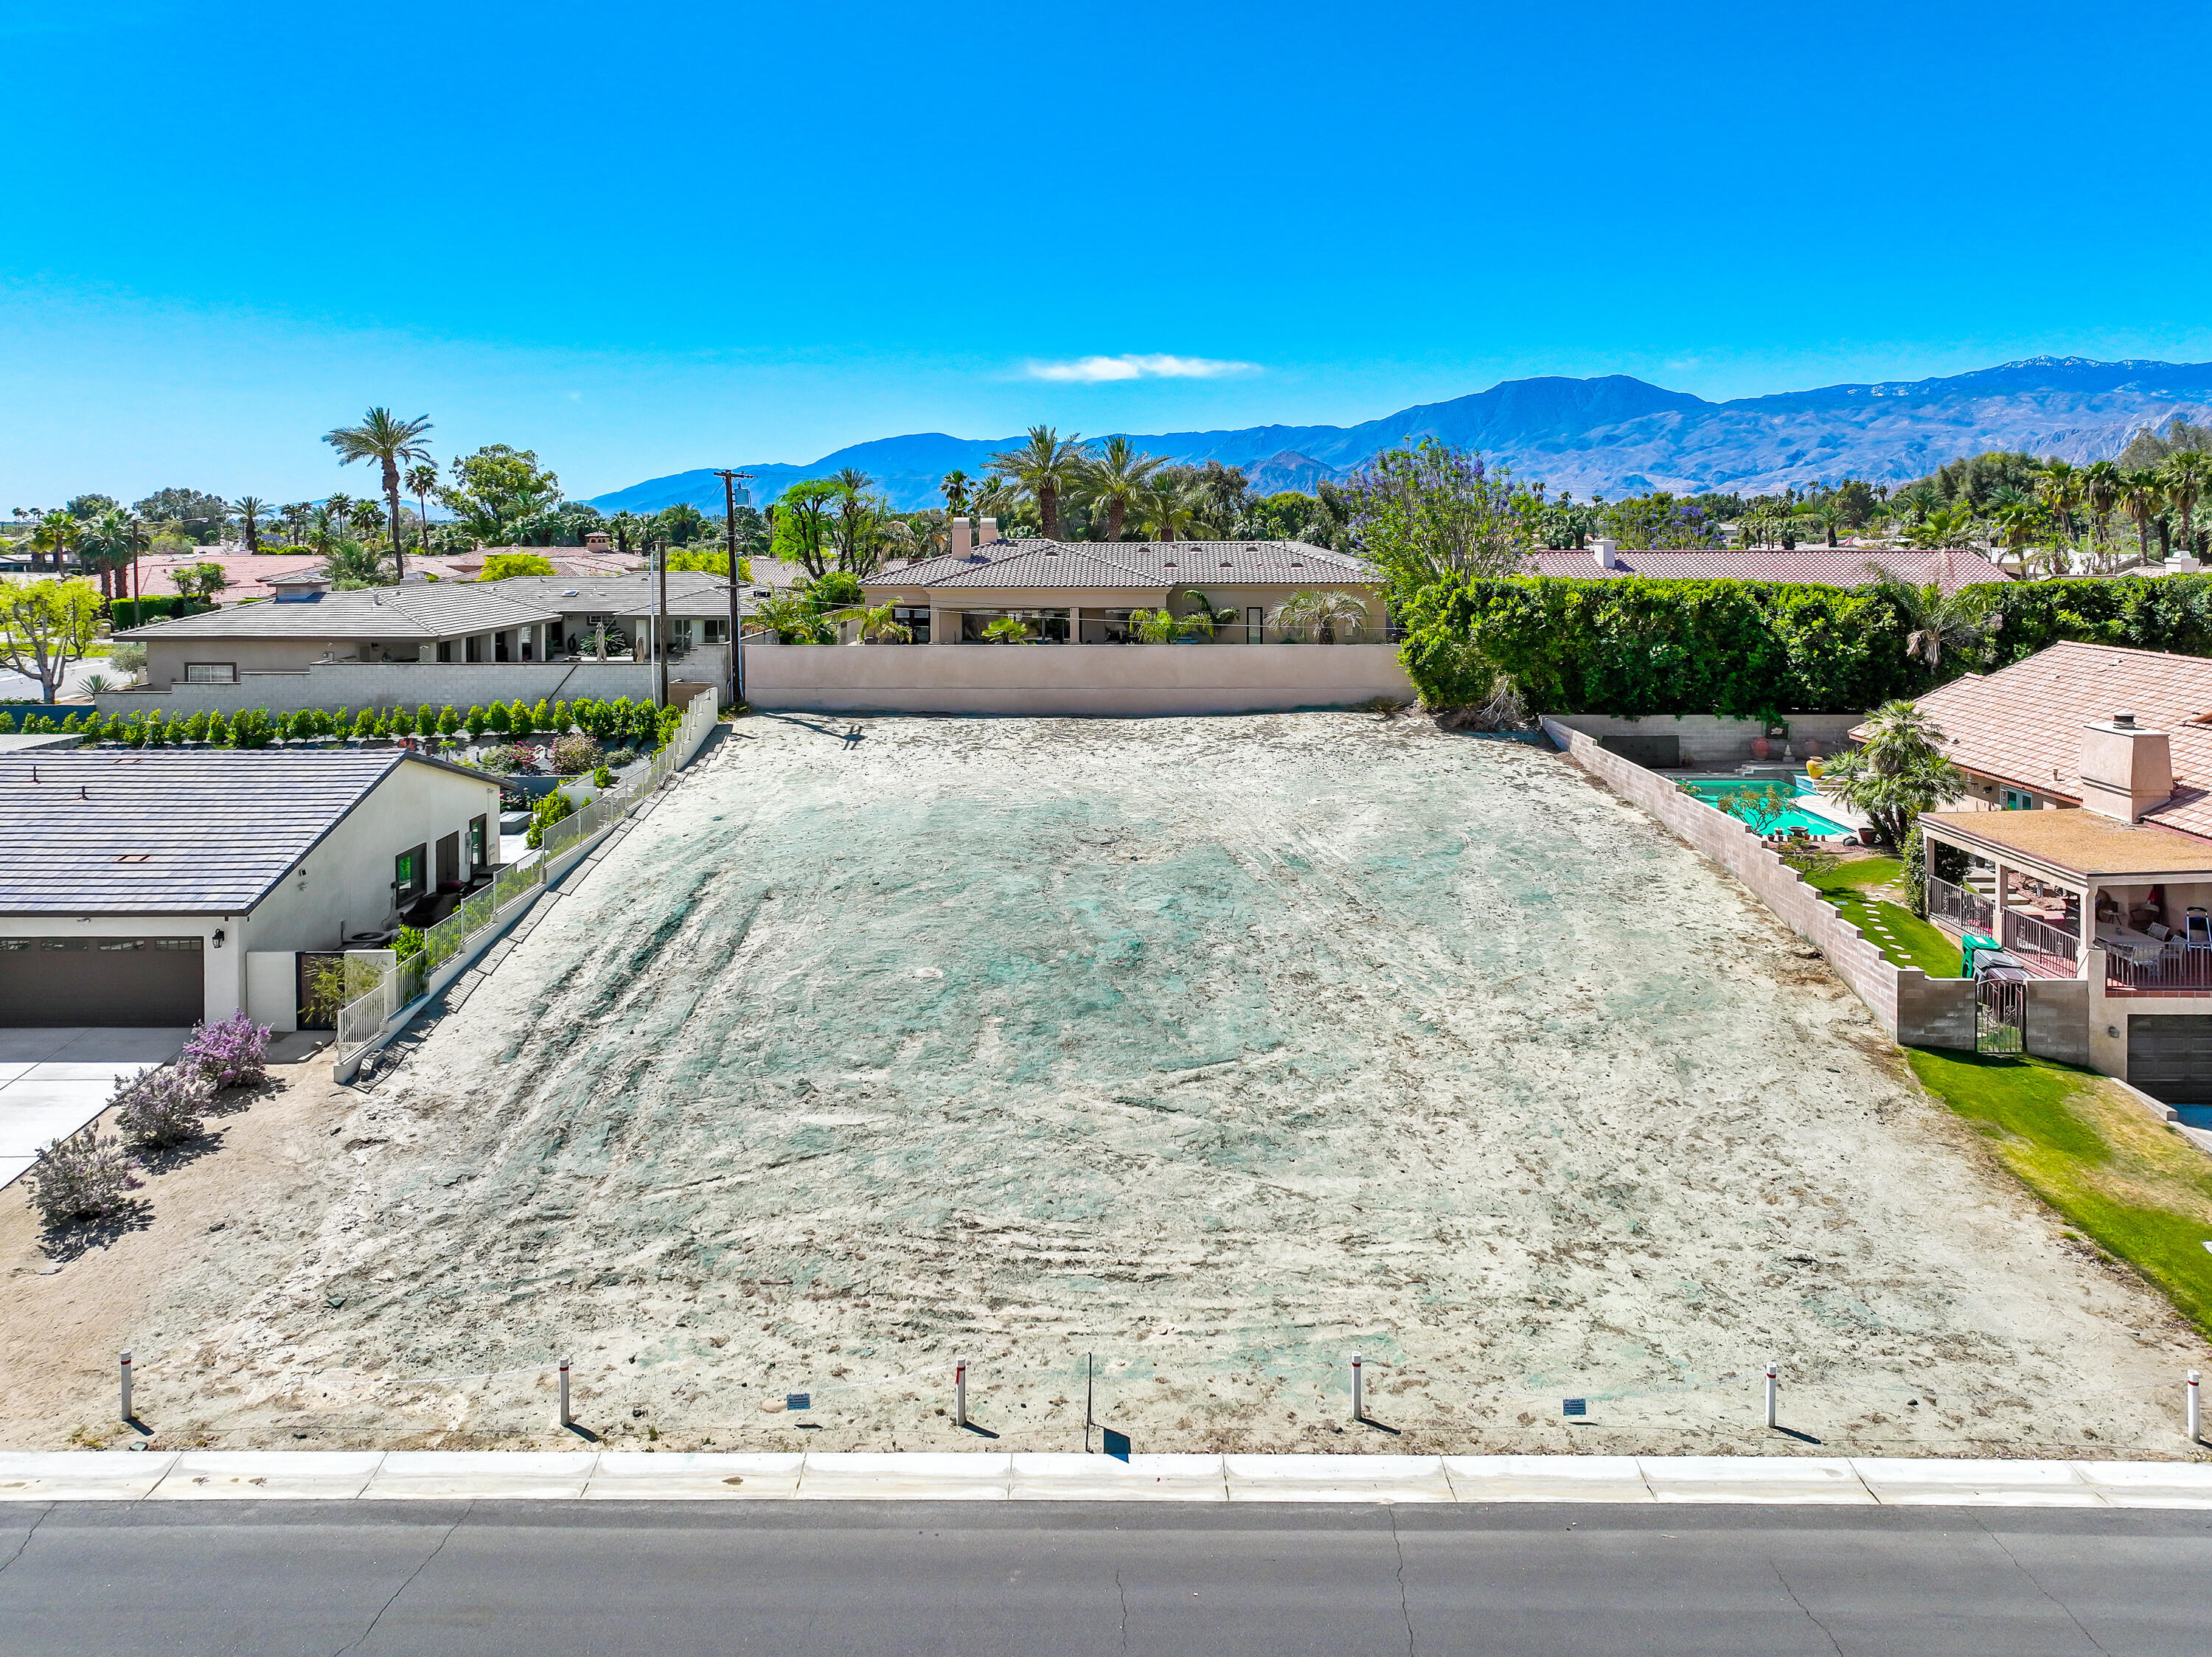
(2126, 768)
(987, 531)
(961, 542)
(1601, 550)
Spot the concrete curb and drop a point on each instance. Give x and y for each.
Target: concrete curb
(646, 1476)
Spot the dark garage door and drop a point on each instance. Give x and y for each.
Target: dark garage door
(96, 981)
(2170, 1058)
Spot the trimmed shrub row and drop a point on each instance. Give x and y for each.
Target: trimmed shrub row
(630, 724)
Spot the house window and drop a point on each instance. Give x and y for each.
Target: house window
(472, 648)
(445, 649)
(478, 829)
(915, 619)
(2015, 801)
(1255, 623)
(210, 673)
(714, 632)
(409, 873)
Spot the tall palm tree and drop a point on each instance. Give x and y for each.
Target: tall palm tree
(1829, 512)
(423, 483)
(250, 512)
(2100, 492)
(392, 442)
(1115, 479)
(108, 545)
(1945, 525)
(2059, 489)
(2142, 491)
(2186, 475)
(1045, 467)
(1171, 507)
(856, 520)
(1936, 621)
(2018, 519)
(56, 533)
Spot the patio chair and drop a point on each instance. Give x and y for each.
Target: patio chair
(2197, 929)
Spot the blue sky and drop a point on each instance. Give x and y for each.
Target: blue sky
(643, 239)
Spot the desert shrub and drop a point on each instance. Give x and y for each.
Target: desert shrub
(165, 1106)
(574, 755)
(127, 658)
(552, 809)
(618, 758)
(233, 1053)
(80, 1177)
(501, 761)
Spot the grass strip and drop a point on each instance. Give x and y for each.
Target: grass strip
(2131, 1183)
(1850, 885)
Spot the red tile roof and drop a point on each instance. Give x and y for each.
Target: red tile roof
(1842, 566)
(2022, 724)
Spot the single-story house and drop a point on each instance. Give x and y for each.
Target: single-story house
(1824, 566)
(162, 887)
(698, 608)
(414, 622)
(1084, 592)
(252, 576)
(2083, 844)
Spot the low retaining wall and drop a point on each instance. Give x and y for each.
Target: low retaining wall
(1709, 740)
(1914, 1009)
(1104, 679)
(407, 685)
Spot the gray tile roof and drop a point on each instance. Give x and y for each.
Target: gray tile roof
(1134, 563)
(430, 611)
(217, 827)
(689, 591)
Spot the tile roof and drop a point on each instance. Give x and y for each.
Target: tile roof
(2079, 842)
(1841, 566)
(617, 594)
(2022, 724)
(1125, 564)
(425, 610)
(217, 827)
(250, 573)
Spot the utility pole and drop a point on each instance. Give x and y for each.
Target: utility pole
(736, 622)
(660, 622)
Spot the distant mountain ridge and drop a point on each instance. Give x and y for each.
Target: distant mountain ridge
(1613, 435)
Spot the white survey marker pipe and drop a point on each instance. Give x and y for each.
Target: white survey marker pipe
(2194, 1430)
(960, 1391)
(1772, 1388)
(123, 1365)
(1358, 1396)
(566, 1418)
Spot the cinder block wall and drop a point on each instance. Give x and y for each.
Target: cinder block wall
(1711, 742)
(1915, 1009)
(2058, 1019)
(463, 685)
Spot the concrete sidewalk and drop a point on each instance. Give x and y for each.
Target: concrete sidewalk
(645, 1476)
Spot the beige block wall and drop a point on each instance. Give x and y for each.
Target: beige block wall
(1097, 679)
(1709, 740)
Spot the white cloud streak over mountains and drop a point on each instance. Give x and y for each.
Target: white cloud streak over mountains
(1092, 370)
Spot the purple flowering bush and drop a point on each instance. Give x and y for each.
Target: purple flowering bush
(80, 1177)
(232, 1054)
(165, 1106)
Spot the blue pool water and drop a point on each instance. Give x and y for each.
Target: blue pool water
(1711, 789)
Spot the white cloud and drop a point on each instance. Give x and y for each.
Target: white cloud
(1091, 370)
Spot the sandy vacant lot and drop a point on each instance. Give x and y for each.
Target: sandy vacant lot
(1217, 1048)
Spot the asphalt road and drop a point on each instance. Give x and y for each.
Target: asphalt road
(867, 1578)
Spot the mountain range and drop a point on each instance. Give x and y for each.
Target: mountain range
(1612, 435)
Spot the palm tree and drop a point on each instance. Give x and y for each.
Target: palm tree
(2142, 491)
(2185, 475)
(2059, 489)
(56, 533)
(1936, 621)
(955, 491)
(392, 442)
(876, 624)
(1897, 773)
(423, 483)
(348, 565)
(1170, 507)
(1115, 479)
(2101, 488)
(621, 526)
(856, 520)
(1829, 513)
(107, 543)
(2018, 519)
(1045, 467)
(1322, 612)
(250, 513)
(1945, 525)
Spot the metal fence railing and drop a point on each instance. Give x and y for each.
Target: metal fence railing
(1968, 911)
(2042, 946)
(375, 993)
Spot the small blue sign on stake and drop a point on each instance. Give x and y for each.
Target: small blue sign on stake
(799, 1400)
(1574, 1406)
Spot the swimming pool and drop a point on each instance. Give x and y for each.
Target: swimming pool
(1712, 790)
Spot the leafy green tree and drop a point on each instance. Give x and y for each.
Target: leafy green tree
(449, 722)
(708, 561)
(477, 720)
(1432, 513)
(85, 508)
(498, 566)
(393, 444)
(1897, 772)
(203, 517)
(497, 719)
(801, 525)
(500, 494)
(200, 582)
(46, 628)
(1044, 468)
(1944, 526)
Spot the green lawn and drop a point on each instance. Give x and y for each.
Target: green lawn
(2120, 1177)
(1908, 941)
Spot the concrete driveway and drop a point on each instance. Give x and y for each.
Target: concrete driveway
(52, 1082)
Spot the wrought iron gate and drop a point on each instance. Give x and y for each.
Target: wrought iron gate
(2000, 1016)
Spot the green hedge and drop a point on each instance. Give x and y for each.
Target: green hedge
(136, 612)
(616, 722)
(1751, 649)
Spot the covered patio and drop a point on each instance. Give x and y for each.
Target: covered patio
(2028, 879)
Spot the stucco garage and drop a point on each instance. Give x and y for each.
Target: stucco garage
(133, 983)
(2169, 1056)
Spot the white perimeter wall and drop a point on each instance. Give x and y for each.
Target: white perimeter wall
(463, 685)
(1104, 679)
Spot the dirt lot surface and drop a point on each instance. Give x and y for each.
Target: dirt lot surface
(1218, 1048)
